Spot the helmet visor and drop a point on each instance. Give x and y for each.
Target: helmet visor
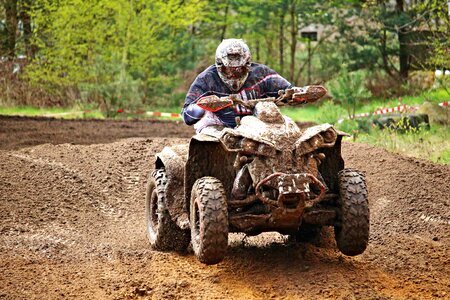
(234, 72)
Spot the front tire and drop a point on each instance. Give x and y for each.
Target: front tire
(352, 232)
(163, 233)
(209, 220)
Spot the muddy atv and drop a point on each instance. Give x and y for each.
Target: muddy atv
(264, 175)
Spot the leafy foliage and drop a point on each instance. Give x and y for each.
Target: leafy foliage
(330, 112)
(349, 89)
(109, 43)
(152, 50)
(433, 144)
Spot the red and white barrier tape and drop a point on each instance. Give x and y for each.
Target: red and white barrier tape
(151, 113)
(64, 114)
(162, 114)
(399, 108)
(381, 111)
(120, 110)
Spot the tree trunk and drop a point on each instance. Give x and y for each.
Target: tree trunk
(193, 45)
(224, 27)
(294, 33)
(403, 56)
(126, 47)
(281, 40)
(403, 53)
(27, 32)
(11, 26)
(384, 55)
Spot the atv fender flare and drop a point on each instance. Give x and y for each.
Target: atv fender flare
(173, 160)
(205, 138)
(208, 157)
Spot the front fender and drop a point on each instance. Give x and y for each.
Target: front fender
(208, 157)
(173, 160)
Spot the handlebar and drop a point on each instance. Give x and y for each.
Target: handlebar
(292, 96)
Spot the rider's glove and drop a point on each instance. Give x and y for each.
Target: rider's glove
(308, 94)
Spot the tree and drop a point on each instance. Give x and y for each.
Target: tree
(272, 30)
(25, 16)
(439, 24)
(349, 89)
(385, 34)
(99, 42)
(10, 7)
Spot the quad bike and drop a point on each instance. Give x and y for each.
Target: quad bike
(264, 175)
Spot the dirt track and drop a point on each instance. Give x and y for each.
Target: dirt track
(72, 225)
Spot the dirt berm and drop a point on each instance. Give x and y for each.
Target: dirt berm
(72, 225)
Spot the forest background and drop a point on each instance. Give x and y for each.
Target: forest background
(130, 53)
(140, 54)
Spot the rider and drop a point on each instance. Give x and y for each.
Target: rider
(233, 73)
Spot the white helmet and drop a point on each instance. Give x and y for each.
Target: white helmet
(233, 62)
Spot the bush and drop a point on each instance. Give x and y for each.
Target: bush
(442, 82)
(384, 86)
(17, 89)
(349, 89)
(329, 112)
(420, 81)
(112, 96)
(348, 126)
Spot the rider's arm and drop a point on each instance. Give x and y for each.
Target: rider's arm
(273, 82)
(191, 112)
(298, 95)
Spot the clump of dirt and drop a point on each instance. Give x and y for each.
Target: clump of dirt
(72, 225)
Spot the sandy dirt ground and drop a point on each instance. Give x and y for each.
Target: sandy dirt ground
(72, 225)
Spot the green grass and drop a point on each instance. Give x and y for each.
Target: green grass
(29, 110)
(433, 144)
(79, 113)
(70, 113)
(303, 113)
(306, 113)
(434, 96)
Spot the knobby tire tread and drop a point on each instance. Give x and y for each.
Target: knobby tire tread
(352, 235)
(211, 245)
(168, 236)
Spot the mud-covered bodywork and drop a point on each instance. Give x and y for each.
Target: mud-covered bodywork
(173, 160)
(264, 175)
(274, 174)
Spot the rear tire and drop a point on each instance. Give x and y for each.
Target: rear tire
(209, 220)
(163, 233)
(352, 233)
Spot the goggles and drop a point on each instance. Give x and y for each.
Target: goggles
(234, 72)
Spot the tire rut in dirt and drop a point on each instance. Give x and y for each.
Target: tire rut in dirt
(162, 231)
(209, 220)
(352, 235)
(84, 251)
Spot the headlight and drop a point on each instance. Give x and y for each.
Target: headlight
(249, 146)
(231, 141)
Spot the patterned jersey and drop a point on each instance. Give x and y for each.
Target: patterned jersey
(261, 82)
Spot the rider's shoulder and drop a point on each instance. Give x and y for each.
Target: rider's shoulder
(262, 70)
(210, 71)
